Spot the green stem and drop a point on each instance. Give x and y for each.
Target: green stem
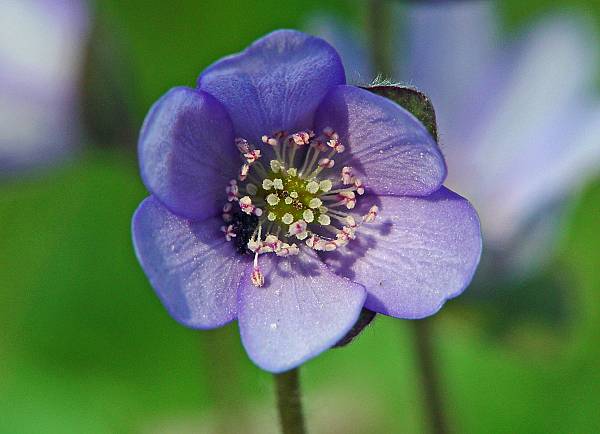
(289, 402)
(379, 25)
(222, 376)
(429, 374)
(380, 28)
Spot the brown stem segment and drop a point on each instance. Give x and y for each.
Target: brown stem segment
(430, 380)
(289, 402)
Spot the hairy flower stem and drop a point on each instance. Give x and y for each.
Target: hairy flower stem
(379, 27)
(430, 380)
(289, 402)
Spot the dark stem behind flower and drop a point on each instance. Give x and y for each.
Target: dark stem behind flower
(289, 402)
(420, 106)
(379, 25)
(430, 380)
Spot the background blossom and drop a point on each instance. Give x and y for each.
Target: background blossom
(519, 121)
(41, 55)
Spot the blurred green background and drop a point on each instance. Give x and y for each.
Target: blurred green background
(86, 347)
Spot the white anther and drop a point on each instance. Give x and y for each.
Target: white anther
(347, 232)
(287, 218)
(336, 145)
(330, 246)
(326, 163)
(347, 175)
(315, 202)
(324, 219)
(294, 194)
(360, 188)
(278, 184)
(244, 172)
(348, 198)
(272, 199)
(258, 278)
(312, 187)
(246, 205)
(370, 216)
(228, 231)
(270, 140)
(340, 242)
(311, 241)
(325, 185)
(288, 250)
(297, 227)
(315, 242)
(252, 155)
(288, 200)
(253, 245)
(301, 138)
(272, 216)
(302, 235)
(308, 216)
(269, 245)
(257, 212)
(292, 171)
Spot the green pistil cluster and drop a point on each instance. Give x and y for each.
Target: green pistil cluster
(290, 198)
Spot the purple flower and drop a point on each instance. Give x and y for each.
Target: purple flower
(41, 45)
(285, 199)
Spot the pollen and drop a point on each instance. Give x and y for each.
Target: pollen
(295, 200)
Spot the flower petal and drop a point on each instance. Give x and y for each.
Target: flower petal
(303, 310)
(275, 84)
(187, 154)
(423, 251)
(387, 146)
(194, 271)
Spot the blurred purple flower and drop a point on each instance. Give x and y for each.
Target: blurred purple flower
(272, 235)
(41, 44)
(519, 123)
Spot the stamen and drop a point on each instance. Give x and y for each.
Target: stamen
(229, 232)
(258, 278)
(291, 198)
(370, 216)
(244, 172)
(347, 175)
(232, 191)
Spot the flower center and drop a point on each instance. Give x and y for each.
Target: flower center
(295, 198)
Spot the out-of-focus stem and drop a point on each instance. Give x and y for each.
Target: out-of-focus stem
(222, 377)
(289, 402)
(429, 373)
(380, 32)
